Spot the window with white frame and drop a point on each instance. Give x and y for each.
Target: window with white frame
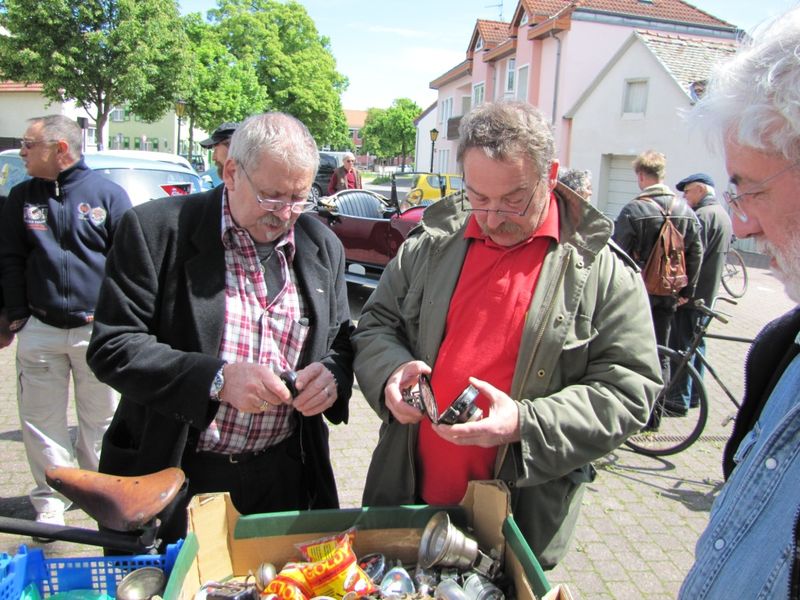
(522, 84)
(478, 94)
(510, 75)
(479, 43)
(443, 160)
(445, 112)
(524, 19)
(635, 101)
(117, 115)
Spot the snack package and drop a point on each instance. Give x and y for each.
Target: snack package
(290, 584)
(322, 547)
(337, 573)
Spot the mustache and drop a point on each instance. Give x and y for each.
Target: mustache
(502, 229)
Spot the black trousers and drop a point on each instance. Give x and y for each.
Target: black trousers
(271, 480)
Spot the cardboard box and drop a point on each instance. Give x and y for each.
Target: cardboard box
(222, 543)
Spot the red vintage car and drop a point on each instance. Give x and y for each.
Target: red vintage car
(371, 228)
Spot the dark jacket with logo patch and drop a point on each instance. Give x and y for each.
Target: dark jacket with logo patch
(54, 237)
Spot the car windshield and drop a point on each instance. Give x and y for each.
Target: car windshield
(144, 184)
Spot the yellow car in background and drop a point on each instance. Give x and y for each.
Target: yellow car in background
(430, 187)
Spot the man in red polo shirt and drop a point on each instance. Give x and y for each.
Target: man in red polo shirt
(515, 288)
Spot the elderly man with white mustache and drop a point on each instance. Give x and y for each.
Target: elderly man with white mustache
(750, 547)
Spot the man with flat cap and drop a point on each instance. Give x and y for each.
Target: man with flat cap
(219, 142)
(715, 234)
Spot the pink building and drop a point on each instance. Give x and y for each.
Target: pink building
(549, 53)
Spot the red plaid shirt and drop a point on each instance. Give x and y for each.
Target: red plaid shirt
(256, 331)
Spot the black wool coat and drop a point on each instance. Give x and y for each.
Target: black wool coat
(159, 323)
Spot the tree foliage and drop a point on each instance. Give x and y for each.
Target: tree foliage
(390, 132)
(219, 87)
(293, 63)
(99, 53)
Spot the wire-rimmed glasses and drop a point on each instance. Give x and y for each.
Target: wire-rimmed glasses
(274, 204)
(735, 198)
(28, 144)
(501, 211)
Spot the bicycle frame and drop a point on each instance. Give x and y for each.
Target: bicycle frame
(137, 542)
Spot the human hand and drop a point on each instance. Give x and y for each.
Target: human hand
(404, 377)
(253, 388)
(500, 426)
(6, 335)
(317, 390)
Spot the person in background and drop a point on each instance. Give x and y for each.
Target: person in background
(513, 287)
(715, 234)
(577, 180)
(750, 547)
(636, 230)
(56, 231)
(345, 177)
(208, 298)
(219, 142)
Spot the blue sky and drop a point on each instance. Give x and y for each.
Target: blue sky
(390, 49)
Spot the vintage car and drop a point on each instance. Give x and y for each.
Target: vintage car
(371, 228)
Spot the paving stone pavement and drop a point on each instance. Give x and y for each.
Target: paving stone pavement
(640, 519)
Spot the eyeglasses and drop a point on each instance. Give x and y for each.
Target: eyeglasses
(735, 198)
(28, 144)
(500, 211)
(275, 205)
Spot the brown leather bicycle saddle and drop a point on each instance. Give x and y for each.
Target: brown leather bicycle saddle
(116, 502)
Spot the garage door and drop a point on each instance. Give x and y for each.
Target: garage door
(621, 184)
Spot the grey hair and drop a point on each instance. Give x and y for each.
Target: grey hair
(59, 127)
(576, 179)
(277, 135)
(504, 130)
(754, 98)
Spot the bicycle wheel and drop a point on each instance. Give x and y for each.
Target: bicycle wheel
(668, 432)
(734, 274)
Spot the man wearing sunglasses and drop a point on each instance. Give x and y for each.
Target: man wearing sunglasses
(211, 297)
(750, 546)
(515, 288)
(57, 228)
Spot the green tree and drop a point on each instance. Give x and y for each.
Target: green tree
(391, 132)
(294, 64)
(99, 53)
(219, 86)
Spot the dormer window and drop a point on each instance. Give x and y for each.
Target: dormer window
(524, 19)
(479, 43)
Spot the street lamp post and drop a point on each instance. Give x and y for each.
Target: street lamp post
(434, 137)
(180, 110)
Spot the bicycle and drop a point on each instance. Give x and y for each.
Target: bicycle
(734, 274)
(673, 428)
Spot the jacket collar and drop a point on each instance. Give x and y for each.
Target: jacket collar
(580, 223)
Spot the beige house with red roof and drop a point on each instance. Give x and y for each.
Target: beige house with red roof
(19, 102)
(550, 53)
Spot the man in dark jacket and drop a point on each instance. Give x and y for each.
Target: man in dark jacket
(750, 546)
(715, 232)
(56, 231)
(636, 231)
(208, 298)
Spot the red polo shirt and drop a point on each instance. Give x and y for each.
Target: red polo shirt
(481, 339)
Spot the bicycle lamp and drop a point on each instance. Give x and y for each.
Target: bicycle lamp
(444, 545)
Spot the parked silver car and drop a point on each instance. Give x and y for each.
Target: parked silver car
(142, 179)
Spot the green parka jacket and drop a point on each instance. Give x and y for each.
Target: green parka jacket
(586, 376)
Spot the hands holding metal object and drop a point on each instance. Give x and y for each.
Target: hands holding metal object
(462, 409)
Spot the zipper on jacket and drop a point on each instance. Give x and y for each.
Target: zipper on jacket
(794, 576)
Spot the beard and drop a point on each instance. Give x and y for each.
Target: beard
(504, 229)
(787, 267)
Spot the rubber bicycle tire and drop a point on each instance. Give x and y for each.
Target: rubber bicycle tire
(649, 443)
(735, 280)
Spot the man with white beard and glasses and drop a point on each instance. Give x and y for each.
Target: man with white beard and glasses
(750, 547)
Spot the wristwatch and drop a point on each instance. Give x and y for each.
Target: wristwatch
(217, 384)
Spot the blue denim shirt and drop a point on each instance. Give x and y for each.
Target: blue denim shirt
(748, 547)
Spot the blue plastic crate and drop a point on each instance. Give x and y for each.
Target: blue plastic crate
(53, 575)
